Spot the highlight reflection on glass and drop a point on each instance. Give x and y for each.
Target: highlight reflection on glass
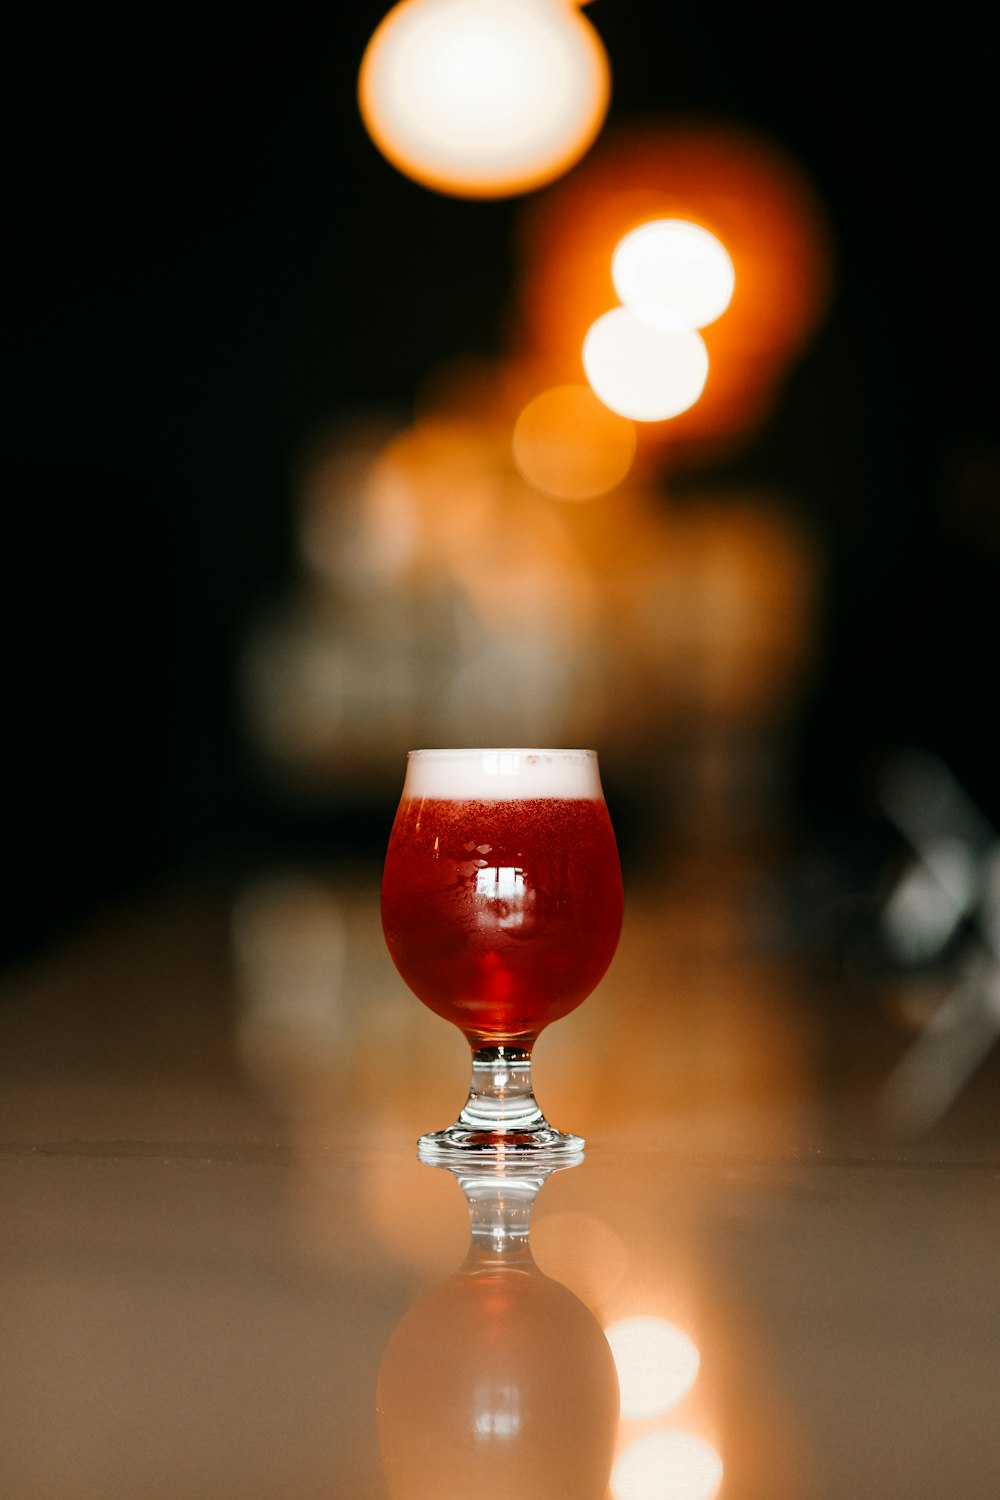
(501, 908)
(499, 1381)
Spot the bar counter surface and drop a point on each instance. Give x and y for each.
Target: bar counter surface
(224, 1272)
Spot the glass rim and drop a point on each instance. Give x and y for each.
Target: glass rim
(501, 750)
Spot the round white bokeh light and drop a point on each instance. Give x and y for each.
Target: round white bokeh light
(657, 1365)
(647, 374)
(667, 1466)
(484, 98)
(672, 274)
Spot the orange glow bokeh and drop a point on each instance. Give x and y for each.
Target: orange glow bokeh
(568, 444)
(742, 188)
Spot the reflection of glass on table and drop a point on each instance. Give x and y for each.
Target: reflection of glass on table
(498, 1381)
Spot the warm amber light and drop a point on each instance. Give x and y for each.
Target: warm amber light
(644, 373)
(657, 1364)
(484, 98)
(583, 1252)
(568, 444)
(673, 274)
(745, 190)
(667, 1466)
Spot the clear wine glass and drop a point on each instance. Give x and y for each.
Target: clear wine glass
(501, 908)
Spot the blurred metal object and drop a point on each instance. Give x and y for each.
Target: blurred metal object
(938, 1065)
(949, 895)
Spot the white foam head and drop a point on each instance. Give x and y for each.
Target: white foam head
(502, 775)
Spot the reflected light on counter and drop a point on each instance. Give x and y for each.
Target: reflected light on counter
(647, 374)
(569, 444)
(657, 1364)
(581, 1251)
(290, 950)
(484, 98)
(667, 1466)
(673, 274)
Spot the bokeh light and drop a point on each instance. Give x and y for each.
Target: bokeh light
(753, 197)
(569, 444)
(582, 1251)
(647, 374)
(484, 98)
(667, 1466)
(657, 1364)
(673, 274)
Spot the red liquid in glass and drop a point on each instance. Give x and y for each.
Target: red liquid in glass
(502, 916)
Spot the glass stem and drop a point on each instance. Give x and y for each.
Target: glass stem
(500, 1095)
(500, 1214)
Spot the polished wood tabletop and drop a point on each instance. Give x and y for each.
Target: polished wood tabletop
(224, 1272)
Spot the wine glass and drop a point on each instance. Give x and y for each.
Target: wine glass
(501, 908)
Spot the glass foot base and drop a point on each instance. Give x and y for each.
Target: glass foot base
(501, 1120)
(460, 1142)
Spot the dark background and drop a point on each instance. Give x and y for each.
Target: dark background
(205, 258)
